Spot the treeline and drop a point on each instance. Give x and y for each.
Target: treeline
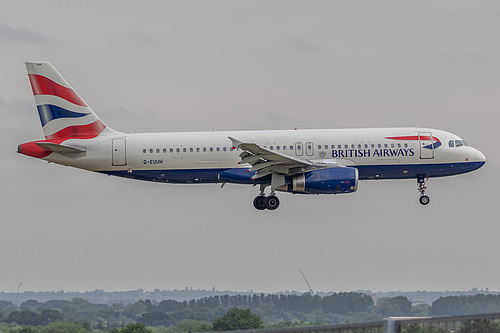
(334, 308)
(278, 310)
(340, 303)
(461, 305)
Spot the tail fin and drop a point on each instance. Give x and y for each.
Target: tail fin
(62, 112)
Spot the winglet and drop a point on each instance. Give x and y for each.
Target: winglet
(235, 143)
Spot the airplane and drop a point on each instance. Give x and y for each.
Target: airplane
(310, 161)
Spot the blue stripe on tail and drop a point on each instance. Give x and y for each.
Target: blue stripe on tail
(49, 112)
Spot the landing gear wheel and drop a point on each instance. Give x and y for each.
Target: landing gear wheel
(259, 202)
(421, 182)
(424, 200)
(272, 202)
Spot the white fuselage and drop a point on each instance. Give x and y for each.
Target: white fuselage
(188, 157)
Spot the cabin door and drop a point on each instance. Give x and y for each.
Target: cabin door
(426, 145)
(119, 152)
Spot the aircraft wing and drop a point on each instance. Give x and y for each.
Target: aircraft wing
(265, 161)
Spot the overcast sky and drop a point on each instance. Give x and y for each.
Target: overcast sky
(235, 65)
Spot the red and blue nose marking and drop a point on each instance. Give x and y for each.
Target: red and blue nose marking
(436, 143)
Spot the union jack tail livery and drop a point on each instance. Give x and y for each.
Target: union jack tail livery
(62, 112)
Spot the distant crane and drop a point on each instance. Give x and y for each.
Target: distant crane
(17, 292)
(303, 275)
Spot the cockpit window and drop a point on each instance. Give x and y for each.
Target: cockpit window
(460, 143)
(451, 143)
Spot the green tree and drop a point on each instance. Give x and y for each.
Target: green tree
(51, 316)
(76, 327)
(396, 306)
(193, 326)
(156, 318)
(479, 326)
(26, 317)
(135, 328)
(6, 306)
(237, 319)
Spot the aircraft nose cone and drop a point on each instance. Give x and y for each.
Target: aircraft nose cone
(480, 156)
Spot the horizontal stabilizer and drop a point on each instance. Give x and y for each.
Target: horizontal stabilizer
(54, 147)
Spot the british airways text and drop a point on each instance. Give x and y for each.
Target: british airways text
(373, 153)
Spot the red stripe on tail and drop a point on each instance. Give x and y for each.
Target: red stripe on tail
(79, 131)
(45, 86)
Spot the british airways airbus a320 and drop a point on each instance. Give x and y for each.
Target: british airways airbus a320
(324, 161)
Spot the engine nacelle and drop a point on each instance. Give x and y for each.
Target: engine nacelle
(324, 181)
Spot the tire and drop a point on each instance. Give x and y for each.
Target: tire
(424, 200)
(272, 202)
(259, 202)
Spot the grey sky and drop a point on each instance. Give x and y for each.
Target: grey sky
(191, 65)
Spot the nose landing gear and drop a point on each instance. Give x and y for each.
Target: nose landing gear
(262, 202)
(421, 181)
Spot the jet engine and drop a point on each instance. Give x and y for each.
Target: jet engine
(324, 181)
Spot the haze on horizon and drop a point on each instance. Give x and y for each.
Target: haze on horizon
(192, 66)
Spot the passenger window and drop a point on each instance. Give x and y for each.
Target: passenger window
(271, 147)
(151, 151)
(284, 147)
(211, 149)
(352, 146)
(144, 151)
(191, 150)
(184, 150)
(326, 146)
(224, 148)
(373, 146)
(366, 146)
(385, 145)
(451, 143)
(340, 146)
(277, 147)
(406, 145)
(392, 145)
(218, 149)
(291, 147)
(319, 146)
(197, 150)
(346, 146)
(171, 150)
(379, 145)
(204, 149)
(399, 145)
(157, 150)
(178, 150)
(359, 145)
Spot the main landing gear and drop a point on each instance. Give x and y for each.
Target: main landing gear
(421, 181)
(262, 202)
